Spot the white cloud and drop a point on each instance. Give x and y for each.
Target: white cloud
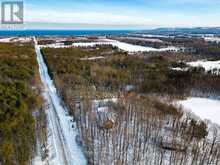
(83, 17)
(107, 19)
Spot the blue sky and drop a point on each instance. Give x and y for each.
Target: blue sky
(123, 13)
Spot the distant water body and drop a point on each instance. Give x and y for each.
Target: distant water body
(62, 32)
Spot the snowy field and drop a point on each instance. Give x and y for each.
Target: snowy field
(93, 58)
(143, 39)
(15, 39)
(213, 66)
(125, 46)
(153, 35)
(212, 39)
(6, 40)
(207, 65)
(120, 45)
(205, 108)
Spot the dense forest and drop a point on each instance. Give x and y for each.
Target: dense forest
(117, 70)
(120, 103)
(18, 101)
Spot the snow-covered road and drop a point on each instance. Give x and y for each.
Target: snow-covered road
(63, 148)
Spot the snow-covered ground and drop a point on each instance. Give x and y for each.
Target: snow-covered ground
(143, 39)
(180, 69)
(6, 40)
(205, 108)
(153, 35)
(207, 65)
(212, 39)
(120, 45)
(55, 45)
(93, 58)
(213, 66)
(15, 39)
(63, 148)
(96, 104)
(126, 47)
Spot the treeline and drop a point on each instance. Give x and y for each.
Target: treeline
(143, 42)
(115, 72)
(18, 77)
(202, 48)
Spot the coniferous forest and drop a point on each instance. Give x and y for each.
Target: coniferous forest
(19, 101)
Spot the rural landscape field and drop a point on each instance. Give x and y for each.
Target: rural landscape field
(110, 93)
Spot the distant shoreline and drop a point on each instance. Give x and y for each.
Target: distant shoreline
(181, 32)
(62, 32)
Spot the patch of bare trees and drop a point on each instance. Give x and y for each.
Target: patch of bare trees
(145, 135)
